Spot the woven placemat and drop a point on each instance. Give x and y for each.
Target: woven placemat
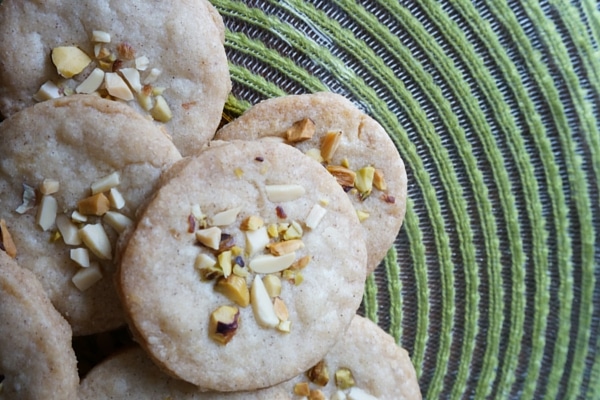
(492, 285)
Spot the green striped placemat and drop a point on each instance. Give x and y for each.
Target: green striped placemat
(492, 285)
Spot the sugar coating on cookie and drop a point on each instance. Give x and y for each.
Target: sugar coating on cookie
(36, 357)
(73, 171)
(245, 268)
(167, 60)
(353, 147)
(130, 374)
(365, 364)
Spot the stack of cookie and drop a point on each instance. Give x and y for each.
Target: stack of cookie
(236, 260)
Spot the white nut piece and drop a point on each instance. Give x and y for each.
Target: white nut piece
(152, 76)
(315, 216)
(68, 230)
(69, 60)
(132, 76)
(359, 394)
(46, 213)
(81, 256)
(100, 37)
(87, 277)
(119, 222)
(204, 261)
(117, 201)
(210, 237)
(269, 264)
(142, 63)
(92, 82)
(106, 183)
(161, 111)
(262, 307)
(256, 240)
(116, 86)
(338, 395)
(78, 217)
(49, 90)
(225, 218)
(95, 238)
(49, 186)
(282, 193)
(197, 212)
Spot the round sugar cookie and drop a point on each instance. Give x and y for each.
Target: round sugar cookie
(36, 357)
(73, 143)
(199, 276)
(363, 143)
(170, 49)
(365, 364)
(130, 374)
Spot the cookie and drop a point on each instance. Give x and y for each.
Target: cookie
(167, 60)
(365, 364)
(245, 267)
(36, 357)
(62, 147)
(131, 375)
(352, 146)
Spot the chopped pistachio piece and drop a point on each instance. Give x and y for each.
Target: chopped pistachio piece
(294, 231)
(223, 324)
(319, 374)
(161, 111)
(268, 264)
(204, 261)
(85, 278)
(225, 262)
(344, 378)
(95, 238)
(362, 215)
(69, 60)
(262, 307)
(364, 180)
(315, 154)
(235, 289)
(302, 389)
(46, 214)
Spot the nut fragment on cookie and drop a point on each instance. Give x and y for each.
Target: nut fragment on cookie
(330, 144)
(161, 111)
(268, 263)
(48, 90)
(116, 86)
(95, 238)
(210, 237)
(319, 374)
(235, 289)
(264, 313)
(344, 378)
(300, 131)
(6, 241)
(315, 216)
(46, 214)
(119, 222)
(282, 193)
(92, 82)
(69, 60)
(49, 186)
(224, 322)
(85, 278)
(97, 204)
(106, 183)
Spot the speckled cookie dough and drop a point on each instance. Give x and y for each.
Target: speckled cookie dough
(366, 364)
(245, 267)
(36, 357)
(131, 375)
(352, 146)
(72, 173)
(165, 59)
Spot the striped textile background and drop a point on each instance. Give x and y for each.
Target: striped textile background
(493, 284)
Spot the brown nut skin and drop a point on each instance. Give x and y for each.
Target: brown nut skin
(319, 374)
(224, 322)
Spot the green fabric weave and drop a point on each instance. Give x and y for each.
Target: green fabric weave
(492, 285)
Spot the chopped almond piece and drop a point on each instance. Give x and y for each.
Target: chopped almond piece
(344, 176)
(288, 246)
(97, 204)
(379, 180)
(300, 131)
(6, 241)
(330, 144)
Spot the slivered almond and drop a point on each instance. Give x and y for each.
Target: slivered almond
(95, 238)
(7, 241)
(268, 264)
(287, 246)
(330, 144)
(344, 176)
(300, 131)
(281, 193)
(263, 310)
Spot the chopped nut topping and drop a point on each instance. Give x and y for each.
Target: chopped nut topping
(117, 221)
(273, 231)
(316, 394)
(6, 241)
(87, 277)
(207, 267)
(224, 261)
(95, 238)
(288, 246)
(210, 237)
(49, 186)
(256, 240)
(315, 154)
(262, 307)
(301, 263)
(46, 214)
(78, 217)
(81, 256)
(29, 199)
(117, 201)
(280, 212)
(116, 86)
(285, 326)
(68, 230)
(302, 389)
(362, 215)
(239, 271)
(235, 289)
(132, 76)
(69, 60)
(344, 378)
(252, 223)
(280, 309)
(100, 37)
(315, 216)
(282, 193)
(379, 180)
(294, 231)
(344, 176)
(161, 111)
(268, 264)
(49, 90)
(359, 394)
(300, 131)
(238, 172)
(224, 322)
(225, 218)
(126, 51)
(152, 76)
(272, 285)
(142, 63)
(364, 181)
(319, 374)
(97, 204)
(92, 82)
(331, 142)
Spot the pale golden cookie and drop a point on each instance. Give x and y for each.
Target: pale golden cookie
(363, 143)
(73, 143)
(131, 375)
(172, 49)
(221, 206)
(36, 357)
(366, 361)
